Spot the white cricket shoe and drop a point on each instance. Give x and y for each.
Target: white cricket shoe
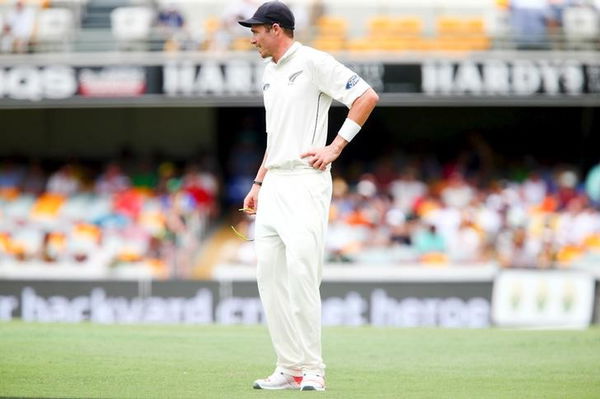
(312, 382)
(278, 380)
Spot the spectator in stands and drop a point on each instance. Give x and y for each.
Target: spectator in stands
(486, 214)
(406, 190)
(34, 181)
(21, 23)
(112, 181)
(11, 174)
(317, 9)
(592, 184)
(170, 18)
(478, 157)
(466, 246)
(171, 25)
(534, 189)
(6, 39)
(144, 176)
(167, 178)
(229, 28)
(244, 159)
(516, 249)
(567, 187)
(576, 223)
(181, 214)
(64, 181)
(457, 193)
(202, 187)
(400, 226)
(427, 240)
(301, 15)
(528, 19)
(555, 15)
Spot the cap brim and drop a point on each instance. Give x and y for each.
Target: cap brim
(251, 21)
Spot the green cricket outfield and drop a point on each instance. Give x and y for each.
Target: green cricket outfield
(149, 361)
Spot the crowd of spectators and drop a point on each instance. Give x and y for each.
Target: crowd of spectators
(531, 24)
(153, 216)
(536, 22)
(422, 212)
(401, 212)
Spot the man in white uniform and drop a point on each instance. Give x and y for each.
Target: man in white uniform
(292, 190)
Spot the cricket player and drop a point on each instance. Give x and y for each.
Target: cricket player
(292, 190)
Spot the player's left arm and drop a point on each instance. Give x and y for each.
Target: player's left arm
(357, 115)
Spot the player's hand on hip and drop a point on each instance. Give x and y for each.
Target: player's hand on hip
(321, 157)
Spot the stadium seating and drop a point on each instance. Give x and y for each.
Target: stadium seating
(581, 27)
(55, 29)
(331, 33)
(407, 33)
(410, 222)
(103, 233)
(461, 33)
(131, 26)
(407, 25)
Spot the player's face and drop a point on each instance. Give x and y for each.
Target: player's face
(263, 39)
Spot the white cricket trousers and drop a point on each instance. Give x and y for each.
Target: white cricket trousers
(291, 222)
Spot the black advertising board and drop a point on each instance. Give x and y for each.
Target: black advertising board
(237, 81)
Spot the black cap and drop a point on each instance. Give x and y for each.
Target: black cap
(271, 12)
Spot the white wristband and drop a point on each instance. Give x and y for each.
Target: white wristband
(349, 129)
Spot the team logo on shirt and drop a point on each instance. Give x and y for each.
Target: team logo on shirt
(293, 77)
(352, 82)
(266, 86)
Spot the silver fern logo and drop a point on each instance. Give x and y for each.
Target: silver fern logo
(293, 77)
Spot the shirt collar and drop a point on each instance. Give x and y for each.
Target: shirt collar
(289, 52)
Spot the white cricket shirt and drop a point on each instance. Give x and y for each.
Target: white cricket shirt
(298, 91)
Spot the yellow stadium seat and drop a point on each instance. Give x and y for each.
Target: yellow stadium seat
(241, 44)
(359, 45)
(592, 242)
(447, 25)
(407, 26)
(392, 34)
(503, 4)
(478, 43)
(567, 254)
(460, 34)
(5, 242)
(86, 232)
(211, 25)
(421, 44)
(331, 33)
(47, 206)
(379, 25)
(326, 43)
(332, 26)
(408, 43)
(475, 26)
(434, 259)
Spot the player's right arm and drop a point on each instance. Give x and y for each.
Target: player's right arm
(251, 200)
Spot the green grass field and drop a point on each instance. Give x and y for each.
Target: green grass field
(94, 361)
